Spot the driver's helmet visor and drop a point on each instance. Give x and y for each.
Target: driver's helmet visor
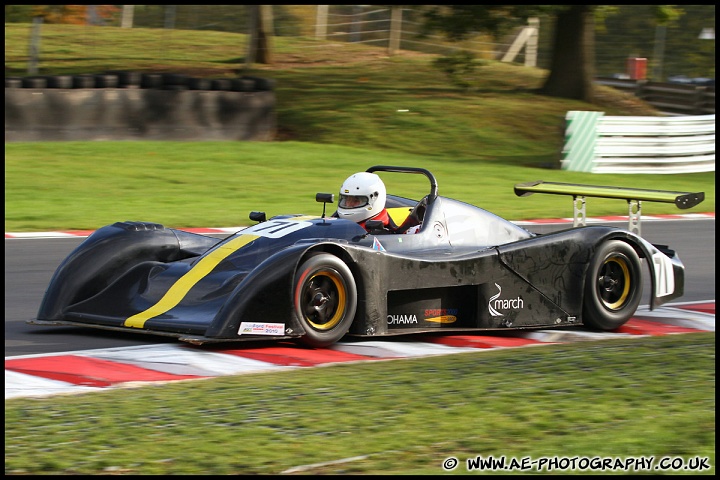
(353, 201)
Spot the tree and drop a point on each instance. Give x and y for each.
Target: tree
(261, 30)
(571, 72)
(572, 68)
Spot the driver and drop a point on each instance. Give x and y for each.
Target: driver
(362, 198)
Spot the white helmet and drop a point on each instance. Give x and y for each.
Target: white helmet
(362, 196)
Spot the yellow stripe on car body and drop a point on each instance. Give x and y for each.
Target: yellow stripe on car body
(181, 287)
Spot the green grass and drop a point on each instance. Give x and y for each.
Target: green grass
(617, 398)
(85, 185)
(342, 108)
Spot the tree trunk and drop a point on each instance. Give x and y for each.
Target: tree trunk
(572, 67)
(264, 53)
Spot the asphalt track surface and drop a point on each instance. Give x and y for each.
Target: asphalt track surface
(47, 360)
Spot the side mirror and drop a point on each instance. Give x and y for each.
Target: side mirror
(325, 198)
(258, 216)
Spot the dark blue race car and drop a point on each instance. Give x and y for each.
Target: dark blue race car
(317, 278)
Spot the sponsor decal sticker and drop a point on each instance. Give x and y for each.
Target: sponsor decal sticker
(496, 303)
(401, 319)
(377, 245)
(441, 315)
(278, 228)
(664, 275)
(257, 328)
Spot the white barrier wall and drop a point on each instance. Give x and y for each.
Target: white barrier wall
(605, 144)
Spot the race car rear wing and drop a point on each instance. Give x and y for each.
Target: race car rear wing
(634, 197)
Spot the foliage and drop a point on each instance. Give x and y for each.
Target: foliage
(459, 21)
(667, 14)
(460, 67)
(634, 32)
(75, 14)
(572, 56)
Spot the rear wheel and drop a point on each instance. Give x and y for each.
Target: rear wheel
(613, 286)
(325, 299)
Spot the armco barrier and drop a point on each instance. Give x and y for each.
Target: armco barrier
(603, 144)
(84, 108)
(669, 98)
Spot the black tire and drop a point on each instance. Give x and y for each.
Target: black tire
(84, 81)
(60, 81)
(262, 84)
(106, 81)
(243, 85)
(151, 80)
(34, 82)
(325, 299)
(174, 81)
(199, 84)
(613, 286)
(127, 78)
(223, 84)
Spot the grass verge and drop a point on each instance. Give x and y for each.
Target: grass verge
(652, 396)
(85, 185)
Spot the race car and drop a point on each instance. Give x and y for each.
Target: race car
(319, 278)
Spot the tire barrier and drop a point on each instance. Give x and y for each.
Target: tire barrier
(124, 105)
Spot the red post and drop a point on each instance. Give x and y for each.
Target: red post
(637, 68)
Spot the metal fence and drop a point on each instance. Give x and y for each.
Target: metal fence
(669, 98)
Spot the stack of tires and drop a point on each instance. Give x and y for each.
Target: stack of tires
(129, 79)
(128, 105)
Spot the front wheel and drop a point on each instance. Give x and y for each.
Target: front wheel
(325, 299)
(613, 286)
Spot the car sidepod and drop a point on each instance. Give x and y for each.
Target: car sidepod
(534, 282)
(595, 272)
